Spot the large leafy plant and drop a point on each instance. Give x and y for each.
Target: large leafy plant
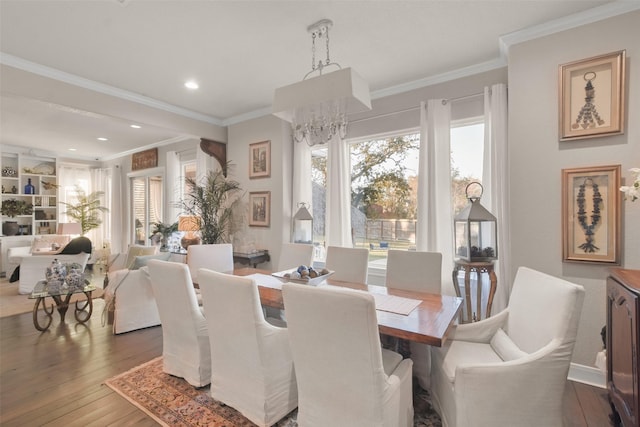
(87, 210)
(212, 200)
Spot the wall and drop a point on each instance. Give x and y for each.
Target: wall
(279, 183)
(537, 158)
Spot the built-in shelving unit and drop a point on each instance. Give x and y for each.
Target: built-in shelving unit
(18, 170)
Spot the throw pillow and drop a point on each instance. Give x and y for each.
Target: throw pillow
(135, 251)
(504, 347)
(141, 261)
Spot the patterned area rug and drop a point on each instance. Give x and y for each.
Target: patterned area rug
(171, 401)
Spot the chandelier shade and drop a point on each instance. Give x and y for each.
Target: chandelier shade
(318, 107)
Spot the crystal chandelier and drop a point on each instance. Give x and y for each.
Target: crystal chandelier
(317, 107)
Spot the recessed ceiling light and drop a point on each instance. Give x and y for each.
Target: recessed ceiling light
(72, 149)
(102, 139)
(191, 84)
(136, 126)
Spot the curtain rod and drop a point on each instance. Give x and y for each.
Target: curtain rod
(393, 113)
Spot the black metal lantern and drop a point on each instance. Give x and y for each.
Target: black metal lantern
(475, 231)
(302, 225)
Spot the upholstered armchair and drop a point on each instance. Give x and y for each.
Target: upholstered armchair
(344, 376)
(251, 363)
(511, 369)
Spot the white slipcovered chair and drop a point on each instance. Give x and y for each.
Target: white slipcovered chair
(349, 264)
(216, 257)
(293, 255)
(252, 371)
(344, 376)
(185, 339)
(421, 272)
(511, 369)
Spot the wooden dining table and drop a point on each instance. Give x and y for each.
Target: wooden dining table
(429, 323)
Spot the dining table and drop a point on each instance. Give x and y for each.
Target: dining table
(408, 315)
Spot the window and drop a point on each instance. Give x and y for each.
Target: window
(384, 194)
(146, 206)
(319, 200)
(467, 150)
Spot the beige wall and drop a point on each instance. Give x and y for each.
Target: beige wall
(537, 158)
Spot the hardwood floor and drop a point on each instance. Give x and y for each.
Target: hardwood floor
(56, 378)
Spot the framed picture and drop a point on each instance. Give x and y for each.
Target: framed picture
(260, 160)
(591, 214)
(260, 209)
(591, 95)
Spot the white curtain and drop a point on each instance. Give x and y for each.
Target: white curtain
(496, 180)
(338, 211)
(119, 226)
(173, 186)
(101, 181)
(301, 186)
(434, 231)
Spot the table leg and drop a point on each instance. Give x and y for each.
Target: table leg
(81, 313)
(467, 292)
(49, 314)
(492, 291)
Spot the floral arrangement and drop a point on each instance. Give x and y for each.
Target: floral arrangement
(632, 192)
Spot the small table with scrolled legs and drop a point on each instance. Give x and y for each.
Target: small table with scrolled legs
(62, 298)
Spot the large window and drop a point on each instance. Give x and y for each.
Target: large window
(384, 187)
(146, 206)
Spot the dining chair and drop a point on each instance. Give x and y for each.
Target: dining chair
(293, 255)
(416, 271)
(253, 371)
(216, 257)
(348, 264)
(345, 378)
(185, 339)
(511, 369)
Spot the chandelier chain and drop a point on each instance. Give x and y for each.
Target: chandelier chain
(313, 51)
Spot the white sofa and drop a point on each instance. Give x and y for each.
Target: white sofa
(130, 303)
(33, 268)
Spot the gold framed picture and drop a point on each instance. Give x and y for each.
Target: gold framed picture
(260, 209)
(591, 97)
(591, 214)
(260, 160)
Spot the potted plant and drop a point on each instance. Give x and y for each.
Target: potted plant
(13, 208)
(86, 210)
(212, 200)
(164, 231)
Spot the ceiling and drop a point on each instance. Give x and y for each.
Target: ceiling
(73, 71)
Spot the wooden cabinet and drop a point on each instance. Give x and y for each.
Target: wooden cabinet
(623, 326)
(32, 180)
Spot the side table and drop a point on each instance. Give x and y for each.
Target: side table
(62, 298)
(478, 268)
(252, 259)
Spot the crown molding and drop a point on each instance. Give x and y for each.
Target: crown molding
(52, 73)
(589, 16)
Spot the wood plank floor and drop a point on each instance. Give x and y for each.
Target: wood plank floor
(56, 378)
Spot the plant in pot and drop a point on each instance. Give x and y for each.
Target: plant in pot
(163, 231)
(213, 200)
(13, 208)
(86, 210)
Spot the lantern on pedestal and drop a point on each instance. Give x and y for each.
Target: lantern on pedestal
(302, 225)
(475, 231)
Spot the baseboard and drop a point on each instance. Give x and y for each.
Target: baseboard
(587, 375)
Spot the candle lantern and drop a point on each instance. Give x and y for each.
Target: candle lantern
(302, 225)
(475, 231)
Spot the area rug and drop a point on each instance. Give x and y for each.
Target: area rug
(12, 303)
(171, 401)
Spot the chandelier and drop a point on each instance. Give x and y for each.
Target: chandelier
(317, 107)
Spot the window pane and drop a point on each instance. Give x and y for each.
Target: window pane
(319, 191)
(384, 177)
(467, 149)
